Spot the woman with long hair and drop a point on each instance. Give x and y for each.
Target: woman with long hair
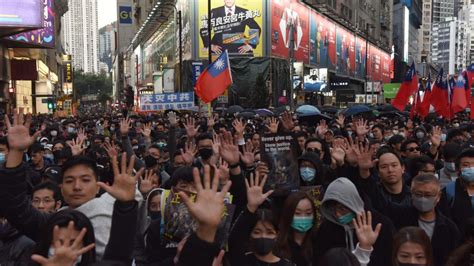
(412, 246)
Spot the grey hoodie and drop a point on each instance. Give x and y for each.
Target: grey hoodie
(343, 191)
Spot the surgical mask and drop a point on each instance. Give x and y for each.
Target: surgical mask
(53, 133)
(154, 215)
(307, 173)
(135, 147)
(467, 174)
(346, 218)
(205, 153)
(262, 245)
(424, 204)
(450, 166)
(71, 130)
(443, 137)
(371, 135)
(401, 134)
(420, 134)
(456, 125)
(349, 133)
(2, 157)
(51, 253)
(49, 156)
(387, 137)
(302, 223)
(395, 132)
(112, 129)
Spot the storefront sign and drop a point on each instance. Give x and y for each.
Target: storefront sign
(24, 13)
(161, 102)
(125, 14)
(68, 72)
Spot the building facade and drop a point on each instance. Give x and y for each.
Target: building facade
(80, 34)
(107, 45)
(442, 9)
(425, 35)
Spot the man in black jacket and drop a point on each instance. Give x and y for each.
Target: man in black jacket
(229, 23)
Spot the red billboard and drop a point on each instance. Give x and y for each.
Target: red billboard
(290, 17)
(378, 68)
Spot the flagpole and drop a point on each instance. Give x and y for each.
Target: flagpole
(209, 28)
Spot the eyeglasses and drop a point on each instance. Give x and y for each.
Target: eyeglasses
(45, 201)
(313, 150)
(420, 194)
(413, 149)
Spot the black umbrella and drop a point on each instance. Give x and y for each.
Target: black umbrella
(357, 109)
(235, 109)
(313, 119)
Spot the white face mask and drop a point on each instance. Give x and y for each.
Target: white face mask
(51, 253)
(53, 133)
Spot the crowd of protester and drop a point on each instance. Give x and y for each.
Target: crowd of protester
(89, 190)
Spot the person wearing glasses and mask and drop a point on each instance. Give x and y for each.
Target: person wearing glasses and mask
(410, 149)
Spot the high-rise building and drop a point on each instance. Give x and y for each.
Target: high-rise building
(80, 35)
(471, 35)
(425, 32)
(107, 44)
(449, 45)
(443, 9)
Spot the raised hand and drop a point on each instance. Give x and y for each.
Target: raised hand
(340, 119)
(247, 156)
(436, 136)
(218, 260)
(19, 138)
(189, 152)
(363, 227)
(123, 188)
(255, 195)
(111, 149)
(224, 171)
(273, 125)
(322, 128)
(77, 146)
(211, 121)
(191, 128)
(351, 155)
(364, 156)
(172, 118)
(146, 130)
(228, 150)
(239, 127)
(361, 127)
(146, 182)
(67, 250)
(216, 143)
(338, 154)
(81, 135)
(208, 207)
(287, 121)
(125, 125)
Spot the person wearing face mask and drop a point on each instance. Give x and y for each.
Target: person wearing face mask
(441, 230)
(412, 247)
(258, 228)
(310, 169)
(341, 204)
(457, 200)
(204, 146)
(448, 173)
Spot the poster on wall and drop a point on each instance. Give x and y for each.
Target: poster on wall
(360, 58)
(290, 22)
(185, 7)
(42, 37)
(345, 52)
(322, 41)
(236, 27)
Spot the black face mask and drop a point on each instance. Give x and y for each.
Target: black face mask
(154, 215)
(150, 161)
(205, 153)
(262, 246)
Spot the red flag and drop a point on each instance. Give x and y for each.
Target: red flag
(439, 95)
(424, 108)
(407, 89)
(416, 105)
(467, 86)
(459, 102)
(470, 75)
(215, 79)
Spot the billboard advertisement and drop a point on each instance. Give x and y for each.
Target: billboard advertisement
(42, 37)
(290, 22)
(236, 27)
(360, 57)
(345, 52)
(125, 14)
(24, 13)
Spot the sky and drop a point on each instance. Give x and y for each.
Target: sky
(107, 11)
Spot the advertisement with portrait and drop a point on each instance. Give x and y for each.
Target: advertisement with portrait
(290, 17)
(344, 46)
(185, 7)
(42, 37)
(236, 27)
(386, 61)
(360, 57)
(319, 40)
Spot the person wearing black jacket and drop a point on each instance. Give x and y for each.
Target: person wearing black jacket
(15, 248)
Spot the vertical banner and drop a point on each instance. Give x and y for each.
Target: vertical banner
(236, 27)
(360, 58)
(385, 67)
(290, 17)
(185, 7)
(352, 62)
(344, 45)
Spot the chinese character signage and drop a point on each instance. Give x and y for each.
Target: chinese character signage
(290, 28)
(167, 101)
(25, 13)
(236, 27)
(125, 14)
(42, 37)
(68, 72)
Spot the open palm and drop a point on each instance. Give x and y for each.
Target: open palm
(255, 195)
(19, 133)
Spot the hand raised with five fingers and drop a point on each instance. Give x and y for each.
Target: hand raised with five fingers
(364, 156)
(110, 149)
(124, 186)
(191, 128)
(239, 126)
(363, 227)
(188, 152)
(273, 125)
(436, 136)
(67, 250)
(228, 150)
(146, 182)
(146, 130)
(361, 127)
(125, 125)
(208, 207)
(77, 146)
(19, 138)
(81, 134)
(287, 121)
(247, 156)
(322, 128)
(172, 119)
(340, 119)
(255, 195)
(211, 121)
